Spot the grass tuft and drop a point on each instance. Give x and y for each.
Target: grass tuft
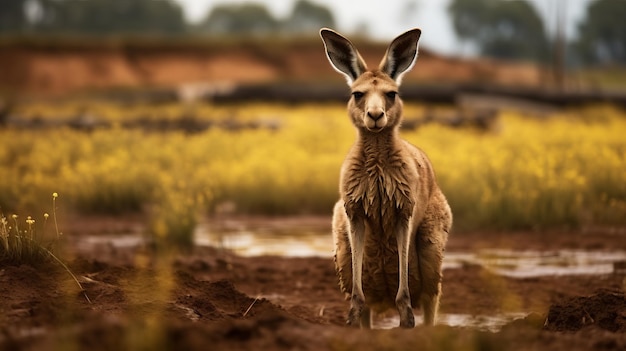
(25, 246)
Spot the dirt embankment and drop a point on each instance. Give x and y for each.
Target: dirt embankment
(66, 66)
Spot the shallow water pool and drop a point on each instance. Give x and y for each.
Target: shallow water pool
(313, 241)
(510, 263)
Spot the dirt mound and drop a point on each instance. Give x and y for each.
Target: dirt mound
(605, 309)
(218, 300)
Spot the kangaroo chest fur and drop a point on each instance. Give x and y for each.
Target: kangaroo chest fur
(379, 186)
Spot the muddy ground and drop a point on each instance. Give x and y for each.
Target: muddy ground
(211, 299)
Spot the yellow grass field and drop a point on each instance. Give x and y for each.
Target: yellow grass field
(564, 170)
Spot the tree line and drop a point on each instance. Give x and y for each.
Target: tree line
(503, 29)
(163, 17)
(514, 29)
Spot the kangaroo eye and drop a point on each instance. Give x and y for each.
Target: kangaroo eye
(357, 95)
(391, 94)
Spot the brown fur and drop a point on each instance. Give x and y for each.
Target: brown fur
(392, 218)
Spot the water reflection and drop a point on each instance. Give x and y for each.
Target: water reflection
(479, 322)
(526, 264)
(316, 241)
(88, 242)
(259, 243)
(313, 239)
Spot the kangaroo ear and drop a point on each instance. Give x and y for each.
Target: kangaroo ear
(343, 56)
(401, 55)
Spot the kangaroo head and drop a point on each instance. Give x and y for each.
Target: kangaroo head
(374, 104)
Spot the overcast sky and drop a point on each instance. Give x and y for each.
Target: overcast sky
(387, 18)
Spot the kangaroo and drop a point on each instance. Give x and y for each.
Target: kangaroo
(391, 224)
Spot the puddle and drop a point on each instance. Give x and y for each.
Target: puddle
(265, 241)
(528, 264)
(312, 240)
(479, 322)
(315, 241)
(390, 320)
(88, 242)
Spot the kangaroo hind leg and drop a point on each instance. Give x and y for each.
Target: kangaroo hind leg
(430, 248)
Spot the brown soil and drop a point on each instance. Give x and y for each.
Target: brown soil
(212, 299)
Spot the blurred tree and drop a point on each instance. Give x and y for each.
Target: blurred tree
(307, 17)
(602, 34)
(247, 18)
(12, 15)
(501, 29)
(468, 19)
(112, 16)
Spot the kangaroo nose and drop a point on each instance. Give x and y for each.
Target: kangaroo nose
(376, 115)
